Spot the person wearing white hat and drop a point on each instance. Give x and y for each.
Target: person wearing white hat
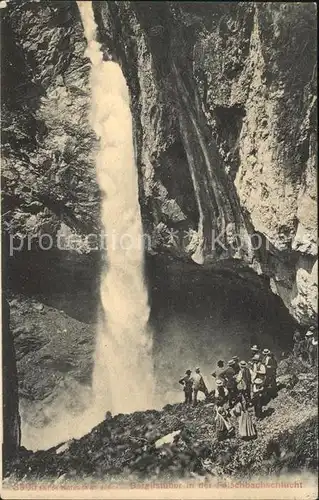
(221, 393)
(229, 376)
(311, 346)
(265, 353)
(254, 350)
(236, 366)
(265, 358)
(257, 397)
(258, 368)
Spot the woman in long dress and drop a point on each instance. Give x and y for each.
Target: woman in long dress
(246, 427)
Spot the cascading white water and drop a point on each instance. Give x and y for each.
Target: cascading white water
(123, 371)
(123, 368)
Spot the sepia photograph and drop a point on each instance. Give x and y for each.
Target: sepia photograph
(159, 242)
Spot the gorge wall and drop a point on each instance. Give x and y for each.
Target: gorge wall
(224, 106)
(10, 410)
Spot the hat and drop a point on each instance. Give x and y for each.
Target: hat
(312, 328)
(197, 369)
(219, 382)
(256, 357)
(188, 372)
(309, 333)
(258, 381)
(266, 351)
(235, 358)
(231, 362)
(242, 363)
(254, 348)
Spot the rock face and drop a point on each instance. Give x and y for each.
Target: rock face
(11, 417)
(224, 106)
(48, 167)
(53, 297)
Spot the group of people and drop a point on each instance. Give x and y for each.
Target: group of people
(239, 384)
(306, 346)
(192, 385)
(244, 384)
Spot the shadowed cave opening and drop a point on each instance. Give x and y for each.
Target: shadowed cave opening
(198, 316)
(202, 315)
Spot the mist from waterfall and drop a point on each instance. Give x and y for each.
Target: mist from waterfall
(123, 370)
(123, 379)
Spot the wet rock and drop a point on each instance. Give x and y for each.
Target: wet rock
(64, 447)
(288, 381)
(14, 303)
(168, 439)
(11, 416)
(256, 119)
(38, 307)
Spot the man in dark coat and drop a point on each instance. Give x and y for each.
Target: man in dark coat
(236, 366)
(187, 382)
(220, 369)
(257, 397)
(228, 376)
(311, 346)
(270, 364)
(299, 345)
(246, 378)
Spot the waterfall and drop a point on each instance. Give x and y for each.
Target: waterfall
(123, 370)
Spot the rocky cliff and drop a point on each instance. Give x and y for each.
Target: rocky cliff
(224, 107)
(10, 411)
